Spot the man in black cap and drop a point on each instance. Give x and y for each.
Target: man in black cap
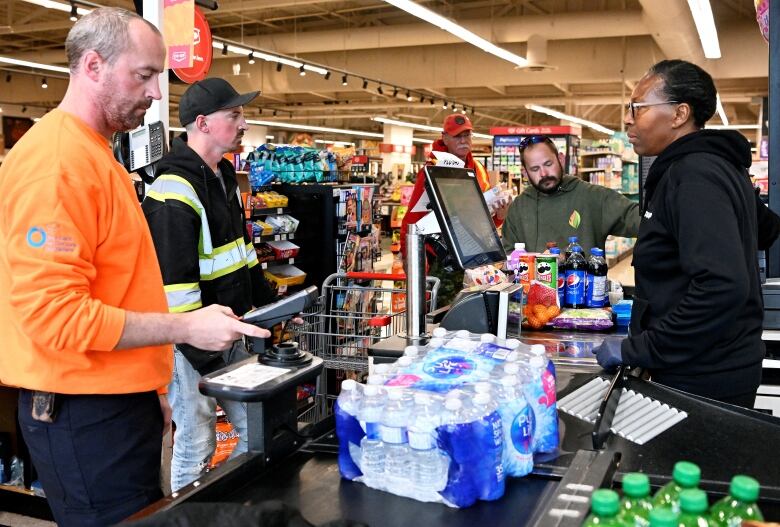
(196, 218)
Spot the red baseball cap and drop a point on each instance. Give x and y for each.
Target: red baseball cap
(456, 123)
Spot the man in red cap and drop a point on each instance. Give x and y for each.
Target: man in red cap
(455, 139)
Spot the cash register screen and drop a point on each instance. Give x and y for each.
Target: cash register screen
(463, 216)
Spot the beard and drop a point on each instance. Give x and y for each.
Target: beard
(548, 184)
(121, 112)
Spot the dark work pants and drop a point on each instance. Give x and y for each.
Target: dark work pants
(99, 461)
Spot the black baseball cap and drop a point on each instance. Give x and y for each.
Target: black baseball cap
(209, 96)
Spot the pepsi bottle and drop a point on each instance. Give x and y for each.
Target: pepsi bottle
(570, 248)
(596, 288)
(576, 271)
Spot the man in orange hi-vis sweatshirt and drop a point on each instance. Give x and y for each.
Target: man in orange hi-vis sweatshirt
(84, 322)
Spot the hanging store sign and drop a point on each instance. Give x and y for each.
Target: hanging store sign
(202, 52)
(536, 130)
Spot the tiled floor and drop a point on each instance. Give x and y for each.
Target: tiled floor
(15, 520)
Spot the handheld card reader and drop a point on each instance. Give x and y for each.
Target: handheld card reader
(269, 383)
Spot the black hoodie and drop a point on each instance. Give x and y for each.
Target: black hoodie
(175, 228)
(698, 311)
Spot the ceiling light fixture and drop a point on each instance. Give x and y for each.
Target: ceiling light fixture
(66, 7)
(278, 66)
(224, 49)
(24, 109)
(7, 77)
(452, 107)
(307, 128)
(408, 96)
(38, 65)
(416, 126)
(420, 140)
(251, 57)
(44, 84)
(463, 110)
(327, 76)
(720, 110)
(566, 117)
(444, 105)
(701, 11)
(301, 71)
(73, 13)
(459, 31)
(343, 80)
(395, 91)
(365, 84)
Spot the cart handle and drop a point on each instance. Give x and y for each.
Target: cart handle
(376, 276)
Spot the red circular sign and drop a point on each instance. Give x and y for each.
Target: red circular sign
(202, 52)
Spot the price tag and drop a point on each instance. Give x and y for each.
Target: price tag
(250, 375)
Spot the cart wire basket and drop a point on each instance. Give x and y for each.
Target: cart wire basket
(354, 311)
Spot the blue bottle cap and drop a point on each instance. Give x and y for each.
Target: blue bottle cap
(597, 252)
(555, 250)
(572, 238)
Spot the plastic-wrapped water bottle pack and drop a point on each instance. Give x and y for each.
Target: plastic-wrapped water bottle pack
(448, 422)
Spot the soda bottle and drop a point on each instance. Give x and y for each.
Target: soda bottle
(561, 275)
(693, 507)
(348, 429)
(636, 505)
(513, 263)
(570, 248)
(596, 291)
(685, 475)
(604, 507)
(576, 269)
(551, 245)
(739, 505)
(663, 517)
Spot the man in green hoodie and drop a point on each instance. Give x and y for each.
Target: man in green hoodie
(556, 206)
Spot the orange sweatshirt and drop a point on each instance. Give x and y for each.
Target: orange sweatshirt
(75, 253)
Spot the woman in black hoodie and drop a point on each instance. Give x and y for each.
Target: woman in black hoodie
(697, 314)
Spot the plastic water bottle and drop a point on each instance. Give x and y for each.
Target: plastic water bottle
(490, 479)
(635, 506)
(456, 438)
(348, 429)
(434, 343)
(604, 507)
(517, 420)
(596, 283)
(514, 264)
(570, 248)
(394, 436)
(739, 505)
(372, 458)
(576, 270)
(413, 352)
(375, 380)
(685, 475)
(487, 338)
(693, 508)
(540, 393)
(440, 332)
(663, 517)
(428, 464)
(382, 371)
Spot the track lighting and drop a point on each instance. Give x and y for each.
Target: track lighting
(344, 80)
(327, 76)
(453, 107)
(301, 71)
(251, 57)
(73, 13)
(444, 105)
(44, 84)
(278, 66)
(379, 90)
(224, 49)
(7, 77)
(395, 92)
(408, 96)
(365, 84)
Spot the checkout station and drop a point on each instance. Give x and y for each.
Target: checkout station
(609, 424)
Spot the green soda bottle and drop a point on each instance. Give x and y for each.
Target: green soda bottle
(663, 517)
(685, 475)
(693, 504)
(739, 505)
(636, 504)
(604, 507)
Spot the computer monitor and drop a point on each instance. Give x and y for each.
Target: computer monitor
(463, 216)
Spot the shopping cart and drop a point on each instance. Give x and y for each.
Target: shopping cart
(354, 311)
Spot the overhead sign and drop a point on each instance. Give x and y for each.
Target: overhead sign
(202, 51)
(536, 130)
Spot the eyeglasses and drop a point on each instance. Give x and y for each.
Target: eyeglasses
(534, 140)
(632, 106)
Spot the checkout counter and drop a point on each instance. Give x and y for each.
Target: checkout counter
(299, 467)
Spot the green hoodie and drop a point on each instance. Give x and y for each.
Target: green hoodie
(577, 208)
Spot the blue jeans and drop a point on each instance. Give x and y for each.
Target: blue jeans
(195, 416)
(99, 461)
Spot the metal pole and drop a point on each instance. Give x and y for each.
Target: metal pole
(415, 283)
